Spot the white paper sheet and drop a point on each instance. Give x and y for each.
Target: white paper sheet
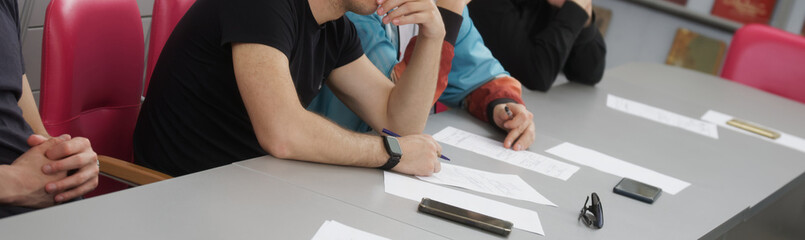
(414, 189)
(332, 230)
(785, 139)
(617, 167)
(495, 150)
(504, 185)
(662, 116)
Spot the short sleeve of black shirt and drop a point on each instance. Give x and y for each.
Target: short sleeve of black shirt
(272, 23)
(350, 43)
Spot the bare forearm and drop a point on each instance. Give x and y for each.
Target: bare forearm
(7, 185)
(310, 137)
(411, 98)
(29, 110)
(283, 127)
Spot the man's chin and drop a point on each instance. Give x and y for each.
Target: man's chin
(363, 8)
(367, 11)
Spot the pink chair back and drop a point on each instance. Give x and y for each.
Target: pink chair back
(768, 59)
(92, 66)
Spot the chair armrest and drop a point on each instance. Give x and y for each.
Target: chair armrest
(129, 173)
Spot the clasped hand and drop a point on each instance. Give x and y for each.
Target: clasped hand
(422, 12)
(42, 171)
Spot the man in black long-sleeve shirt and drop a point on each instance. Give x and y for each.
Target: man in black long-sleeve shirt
(535, 39)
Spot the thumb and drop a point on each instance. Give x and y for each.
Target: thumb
(36, 139)
(42, 143)
(499, 115)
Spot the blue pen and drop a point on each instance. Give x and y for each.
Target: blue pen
(390, 133)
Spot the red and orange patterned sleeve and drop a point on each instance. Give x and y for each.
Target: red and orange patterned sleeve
(501, 90)
(444, 65)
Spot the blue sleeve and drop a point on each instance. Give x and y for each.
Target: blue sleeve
(473, 65)
(381, 52)
(375, 41)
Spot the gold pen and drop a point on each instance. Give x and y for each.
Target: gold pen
(753, 128)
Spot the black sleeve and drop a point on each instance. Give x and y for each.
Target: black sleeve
(452, 24)
(552, 46)
(349, 43)
(272, 23)
(587, 58)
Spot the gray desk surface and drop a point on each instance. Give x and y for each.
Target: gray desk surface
(762, 172)
(733, 169)
(729, 175)
(229, 202)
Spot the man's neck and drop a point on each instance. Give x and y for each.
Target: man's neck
(326, 10)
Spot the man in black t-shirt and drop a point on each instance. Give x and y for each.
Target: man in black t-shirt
(235, 76)
(33, 168)
(537, 39)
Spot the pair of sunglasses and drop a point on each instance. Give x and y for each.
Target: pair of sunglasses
(593, 215)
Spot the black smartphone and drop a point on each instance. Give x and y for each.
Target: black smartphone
(637, 190)
(466, 217)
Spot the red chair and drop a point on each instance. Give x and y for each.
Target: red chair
(92, 63)
(166, 15)
(768, 59)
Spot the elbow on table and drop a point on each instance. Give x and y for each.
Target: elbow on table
(537, 84)
(279, 147)
(586, 77)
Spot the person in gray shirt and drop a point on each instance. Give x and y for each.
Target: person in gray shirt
(36, 170)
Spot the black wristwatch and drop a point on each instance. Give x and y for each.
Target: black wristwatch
(394, 151)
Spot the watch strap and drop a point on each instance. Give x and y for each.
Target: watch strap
(394, 158)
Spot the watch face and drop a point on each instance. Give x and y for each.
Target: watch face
(394, 145)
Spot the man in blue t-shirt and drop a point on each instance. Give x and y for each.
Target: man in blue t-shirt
(33, 167)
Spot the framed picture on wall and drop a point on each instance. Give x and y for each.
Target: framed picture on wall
(694, 51)
(745, 11)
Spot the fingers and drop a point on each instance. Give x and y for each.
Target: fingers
(437, 167)
(387, 5)
(36, 139)
(525, 139)
(68, 148)
(408, 13)
(433, 160)
(438, 147)
(43, 146)
(86, 175)
(517, 125)
(511, 137)
(520, 116)
(411, 19)
(421, 155)
(499, 115)
(80, 160)
(78, 191)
